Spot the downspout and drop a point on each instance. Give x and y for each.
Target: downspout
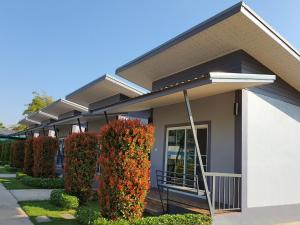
(190, 115)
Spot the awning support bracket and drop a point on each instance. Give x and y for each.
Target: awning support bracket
(191, 119)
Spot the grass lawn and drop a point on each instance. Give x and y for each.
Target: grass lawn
(45, 208)
(13, 184)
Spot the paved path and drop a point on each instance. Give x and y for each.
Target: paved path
(31, 194)
(7, 175)
(10, 211)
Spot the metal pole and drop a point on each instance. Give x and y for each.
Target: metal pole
(106, 117)
(55, 133)
(79, 124)
(188, 107)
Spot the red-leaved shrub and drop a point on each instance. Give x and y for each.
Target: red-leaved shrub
(28, 157)
(44, 150)
(17, 157)
(124, 168)
(81, 152)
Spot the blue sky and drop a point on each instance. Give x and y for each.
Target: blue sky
(57, 46)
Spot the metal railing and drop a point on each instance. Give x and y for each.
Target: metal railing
(180, 182)
(225, 190)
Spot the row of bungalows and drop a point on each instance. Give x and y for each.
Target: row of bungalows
(73, 114)
(224, 99)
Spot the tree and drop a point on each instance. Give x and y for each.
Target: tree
(39, 101)
(18, 127)
(2, 125)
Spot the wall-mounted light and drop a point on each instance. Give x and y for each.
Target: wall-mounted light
(236, 109)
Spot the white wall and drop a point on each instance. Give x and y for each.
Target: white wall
(64, 131)
(273, 148)
(217, 109)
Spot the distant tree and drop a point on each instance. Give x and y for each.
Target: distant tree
(39, 101)
(2, 125)
(18, 127)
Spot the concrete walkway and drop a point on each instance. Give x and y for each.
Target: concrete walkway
(31, 194)
(7, 175)
(10, 211)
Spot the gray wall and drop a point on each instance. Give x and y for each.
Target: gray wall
(216, 109)
(95, 125)
(273, 156)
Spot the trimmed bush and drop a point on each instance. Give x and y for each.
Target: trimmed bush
(90, 216)
(39, 182)
(60, 198)
(87, 215)
(81, 152)
(17, 157)
(44, 150)
(28, 157)
(11, 169)
(5, 153)
(20, 175)
(125, 168)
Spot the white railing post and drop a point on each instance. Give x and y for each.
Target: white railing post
(213, 193)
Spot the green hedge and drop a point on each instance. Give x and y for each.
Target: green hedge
(11, 169)
(39, 182)
(60, 198)
(179, 219)
(5, 152)
(89, 216)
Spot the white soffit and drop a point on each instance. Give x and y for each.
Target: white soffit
(102, 88)
(62, 106)
(213, 84)
(233, 29)
(40, 116)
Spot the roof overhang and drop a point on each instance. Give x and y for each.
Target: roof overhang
(41, 116)
(102, 88)
(29, 122)
(233, 29)
(62, 106)
(207, 85)
(85, 117)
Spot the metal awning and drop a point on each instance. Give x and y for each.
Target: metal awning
(41, 116)
(62, 106)
(205, 85)
(104, 87)
(236, 28)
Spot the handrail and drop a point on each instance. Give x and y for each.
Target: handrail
(223, 174)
